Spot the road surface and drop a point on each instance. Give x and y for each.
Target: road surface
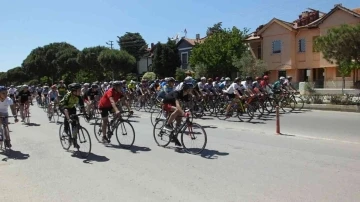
(317, 159)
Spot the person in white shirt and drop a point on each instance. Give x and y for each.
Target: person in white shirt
(201, 85)
(234, 93)
(248, 85)
(5, 103)
(12, 92)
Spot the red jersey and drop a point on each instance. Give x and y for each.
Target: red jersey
(263, 83)
(105, 101)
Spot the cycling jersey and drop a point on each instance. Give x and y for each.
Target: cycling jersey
(24, 96)
(91, 93)
(131, 86)
(105, 99)
(70, 101)
(164, 91)
(234, 87)
(201, 86)
(247, 85)
(12, 91)
(277, 85)
(62, 90)
(53, 94)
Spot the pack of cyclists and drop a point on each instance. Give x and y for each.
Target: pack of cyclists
(105, 96)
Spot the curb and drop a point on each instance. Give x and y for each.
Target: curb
(329, 107)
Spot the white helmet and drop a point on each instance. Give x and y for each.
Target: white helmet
(282, 78)
(227, 79)
(203, 78)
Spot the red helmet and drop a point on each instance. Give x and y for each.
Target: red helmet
(266, 77)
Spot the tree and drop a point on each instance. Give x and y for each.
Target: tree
(133, 43)
(166, 59)
(150, 76)
(90, 66)
(17, 75)
(180, 74)
(215, 29)
(341, 46)
(35, 63)
(249, 66)
(217, 51)
(116, 61)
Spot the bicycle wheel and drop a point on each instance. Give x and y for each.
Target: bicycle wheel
(188, 136)
(299, 103)
(161, 136)
(126, 129)
(64, 138)
(84, 142)
(98, 129)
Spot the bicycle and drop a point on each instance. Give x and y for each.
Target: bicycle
(78, 132)
(187, 124)
(112, 126)
(26, 113)
(4, 143)
(52, 112)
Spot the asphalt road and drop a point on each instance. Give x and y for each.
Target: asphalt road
(317, 159)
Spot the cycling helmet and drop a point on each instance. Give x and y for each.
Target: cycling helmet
(3, 88)
(188, 79)
(237, 80)
(25, 86)
(132, 82)
(86, 84)
(203, 79)
(116, 83)
(74, 86)
(282, 78)
(227, 79)
(266, 77)
(94, 85)
(53, 86)
(289, 77)
(249, 78)
(258, 78)
(171, 79)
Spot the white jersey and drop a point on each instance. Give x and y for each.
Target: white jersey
(233, 87)
(4, 106)
(179, 87)
(247, 85)
(201, 86)
(12, 91)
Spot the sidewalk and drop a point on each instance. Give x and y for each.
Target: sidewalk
(331, 107)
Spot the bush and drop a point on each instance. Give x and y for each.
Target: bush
(33, 82)
(180, 74)
(131, 76)
(149, 76)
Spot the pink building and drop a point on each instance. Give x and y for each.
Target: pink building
(287, 47)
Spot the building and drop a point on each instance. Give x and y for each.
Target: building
(287, 47)
(185, 46)
(145, 62)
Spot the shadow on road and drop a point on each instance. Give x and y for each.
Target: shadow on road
(211, 127)
(206, 153)
(133, 149)
(15, 155)
(283, 134)
(94, 157)
(32, 124)
(207, 118)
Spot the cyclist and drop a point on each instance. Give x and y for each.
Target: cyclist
(45, 92)
(12, 92)
(24, 96)
(5, 103)
(68, 107)
(107, 104)
(288, 85)
(234, 93)
(62, 89)
(172, 104)
(52, 97)
(167, 88)
(91, 96)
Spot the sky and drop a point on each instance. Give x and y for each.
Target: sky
(28, 24)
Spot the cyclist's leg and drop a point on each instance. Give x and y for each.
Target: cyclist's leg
(105, 120)
(22, 114)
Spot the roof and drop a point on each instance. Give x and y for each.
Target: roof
(252, 36)
(354, 12)
(192, 41)
(287, 25)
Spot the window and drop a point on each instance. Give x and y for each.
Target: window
(276, 46)
(259, 52)
(302, 45)
(282, 73)
(184, 58)
(314, 48)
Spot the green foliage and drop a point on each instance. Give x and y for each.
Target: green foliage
(180, 74)
(133, 43)
(32, 82)
(200, 71)
(217, 51)
(131, 76)
(249, 66)
(214, 29)
(149, 76)
(166, 59)
(116, 61)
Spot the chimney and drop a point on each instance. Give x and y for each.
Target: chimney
(152, 45)
(197, 37)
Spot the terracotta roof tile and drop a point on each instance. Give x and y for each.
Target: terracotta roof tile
(357, 10)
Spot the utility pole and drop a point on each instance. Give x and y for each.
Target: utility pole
(110, 43)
